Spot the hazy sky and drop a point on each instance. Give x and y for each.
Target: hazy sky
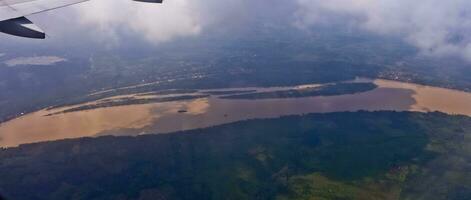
(436, 27)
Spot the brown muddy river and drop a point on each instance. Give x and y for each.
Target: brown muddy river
(199, 113)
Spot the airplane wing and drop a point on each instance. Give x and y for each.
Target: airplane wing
(13, 12)
(10, 9)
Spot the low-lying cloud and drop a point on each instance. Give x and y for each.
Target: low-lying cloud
(38, 60)
(436, 27)
(154, 22)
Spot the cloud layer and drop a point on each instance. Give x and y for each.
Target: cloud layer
(436, 27)
(158, 22)
(154, 22)
(38, 60)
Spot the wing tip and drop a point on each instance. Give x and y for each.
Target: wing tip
(22, 27)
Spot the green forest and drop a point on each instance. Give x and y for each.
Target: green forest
(361, 155)
(324, 90)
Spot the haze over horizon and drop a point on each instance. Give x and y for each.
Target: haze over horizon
(437, 28)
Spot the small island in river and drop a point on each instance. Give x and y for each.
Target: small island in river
(324, 90)
(128, 101)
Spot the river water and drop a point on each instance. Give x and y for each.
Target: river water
(205, 112)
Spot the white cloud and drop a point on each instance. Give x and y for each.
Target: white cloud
(436, 27)
(38, 60)
(164, 22)
(155, 22)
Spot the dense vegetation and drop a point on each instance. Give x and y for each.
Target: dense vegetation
(228, 92)
(363, 155)
(325, 90)
(169, 92)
